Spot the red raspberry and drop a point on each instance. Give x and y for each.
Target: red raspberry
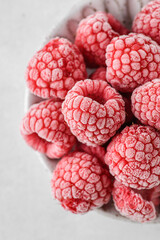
(80, 183)
(147, 21)
(44, 129)
(132, 205)
(133, 157)
(93, 35)
(100, 73)
(131, 61)
(146, 103)
(55, 69)
(98, 151)
(94, 111)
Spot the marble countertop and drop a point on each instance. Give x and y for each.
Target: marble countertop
(27, 210)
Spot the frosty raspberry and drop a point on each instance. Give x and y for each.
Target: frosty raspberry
(146, 103)
(55, 69)
(147, 21)
(131, 61)
(94, 111)
(132, 205)
(80, 183)
(93, 35)
(133, 157)
(44, 129)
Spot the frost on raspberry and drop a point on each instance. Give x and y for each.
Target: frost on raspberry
(100, 73)
(131, 204)
(94, 111)
(80, 183)
(93, 35)
(131, 61)
(133, 157)
(44, 129)
(146, 103)
(55, 69)
(147, 21)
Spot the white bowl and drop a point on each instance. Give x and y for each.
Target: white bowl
(124, 11)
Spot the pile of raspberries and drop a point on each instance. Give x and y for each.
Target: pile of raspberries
(104, 128)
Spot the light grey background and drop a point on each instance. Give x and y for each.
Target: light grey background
(27, 210)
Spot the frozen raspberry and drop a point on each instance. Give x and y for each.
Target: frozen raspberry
(129, 114)
(146, 103)
(100, 73)
(131, 61)
(55, 69)
(98, 151)
(133, 157)
(44, 129)
(132, 205)
(80, 183)
(147, 21)
(93, 35)
(94, 111)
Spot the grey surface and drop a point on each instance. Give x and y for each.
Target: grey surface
(27, 210)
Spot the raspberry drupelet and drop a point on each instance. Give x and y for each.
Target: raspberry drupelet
(132, 205)
(133, 157)
(94, 111)
(146, 103)
(93, 35)
(44, 129)
(80, 183)
(55, 69)
(100, 73)
(147, 21)
(131, 61)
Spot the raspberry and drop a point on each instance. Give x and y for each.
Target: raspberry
(55, 69)
(133, 157)
(80, 183)
(131, 61)
(44, 129)
(100, 73)
(147, 21)
(94, 111)
(132, 205)
(98, 151)
(93, 35)
(146, 103)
